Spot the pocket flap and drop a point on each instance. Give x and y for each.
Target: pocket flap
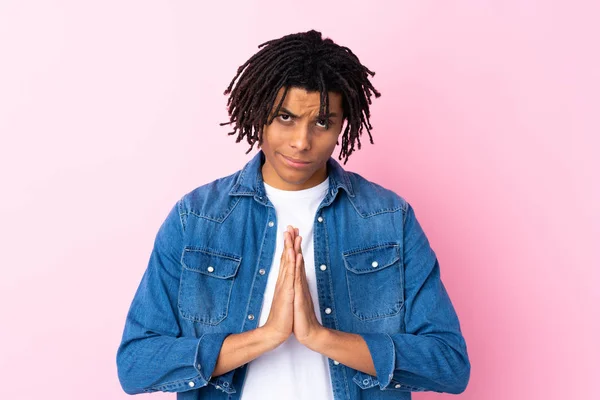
(211, 263)
(371, 259)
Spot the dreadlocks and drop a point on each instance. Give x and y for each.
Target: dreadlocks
(306, 61)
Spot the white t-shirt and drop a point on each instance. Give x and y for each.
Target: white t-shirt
(291, 371)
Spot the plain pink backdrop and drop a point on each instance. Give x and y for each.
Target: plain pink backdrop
(488, 125)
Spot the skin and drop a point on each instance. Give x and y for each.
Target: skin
(297, 132)
(302, 137)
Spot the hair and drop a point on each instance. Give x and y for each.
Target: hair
(303, 60)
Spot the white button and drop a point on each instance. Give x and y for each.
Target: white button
(374, 264)
(199, 366)
(323, 267)
(191, 384)
(336, 362)
(261, 271)
(365, 381)
(398, 386)
(251, 317)
(320, 219)
(271, 223)
(218, 387)
(328, 310)
(210, 269)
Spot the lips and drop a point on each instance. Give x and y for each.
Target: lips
(296, 160)
(296, 163)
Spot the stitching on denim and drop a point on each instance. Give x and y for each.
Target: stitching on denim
(221, 218)
(218, 253)
(357, 250)
(173, 384)
(238, 180)
(196, 357)
(393, 360)
(373, 213)
(181, 214)
(260, 257)
(335, 320)
(213, 252)
(353, 309)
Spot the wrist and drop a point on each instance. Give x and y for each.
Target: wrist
(318, 340)
(271, 338)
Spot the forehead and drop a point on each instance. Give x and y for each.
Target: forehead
(300, 100)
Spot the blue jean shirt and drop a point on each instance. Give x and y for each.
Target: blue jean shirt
(382, 282)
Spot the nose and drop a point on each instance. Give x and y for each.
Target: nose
(300, 139)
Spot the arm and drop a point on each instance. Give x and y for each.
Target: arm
(431, 355)
(239, 349)
(153, 355)
(349, 349)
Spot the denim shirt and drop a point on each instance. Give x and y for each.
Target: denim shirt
(208, 269)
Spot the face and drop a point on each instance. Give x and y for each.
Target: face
(297, 144)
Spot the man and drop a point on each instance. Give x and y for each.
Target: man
(293, 278)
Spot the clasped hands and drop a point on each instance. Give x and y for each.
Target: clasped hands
(292, 309)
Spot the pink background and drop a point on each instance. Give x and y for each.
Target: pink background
(488, 124)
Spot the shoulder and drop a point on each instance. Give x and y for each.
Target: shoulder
(371, 198)
(211, 200)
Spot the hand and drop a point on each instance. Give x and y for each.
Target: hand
(306, 326)
(279, 325)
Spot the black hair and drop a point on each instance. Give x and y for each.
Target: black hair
(306, 61)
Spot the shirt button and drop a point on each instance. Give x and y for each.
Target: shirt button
(328, 310)
(398, 386)
(323, 267)
(191, 384)
(199, 366)
(210, 269)
(365, 382)
(320, 219)
(261, 271)
(271, 223)
(251, 317)
(218, 387)
(374, 264)
(336, 362)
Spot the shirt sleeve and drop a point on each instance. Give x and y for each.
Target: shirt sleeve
(153, 355)
(432, 354)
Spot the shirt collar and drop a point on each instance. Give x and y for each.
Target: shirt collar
(250, 180)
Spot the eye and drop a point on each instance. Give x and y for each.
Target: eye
(284, 117)
(324, 123)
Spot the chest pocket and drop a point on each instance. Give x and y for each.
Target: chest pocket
(375, 281)
(205, 286)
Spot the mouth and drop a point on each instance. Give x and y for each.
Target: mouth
(295, 163)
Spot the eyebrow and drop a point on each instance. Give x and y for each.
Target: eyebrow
(285, 110)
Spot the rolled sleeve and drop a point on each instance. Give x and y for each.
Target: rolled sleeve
(207, 353)
(381, 347)
(431, 355)
(154, 354)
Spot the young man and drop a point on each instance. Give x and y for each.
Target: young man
(293, 278)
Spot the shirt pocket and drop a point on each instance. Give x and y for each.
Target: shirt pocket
(206, 283)
(375, 281)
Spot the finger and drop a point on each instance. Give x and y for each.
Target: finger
(299, 271)
(282, 261)
(298, 244)
(290, 267)
(297, 231)
(292, 232)
(303, 279)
